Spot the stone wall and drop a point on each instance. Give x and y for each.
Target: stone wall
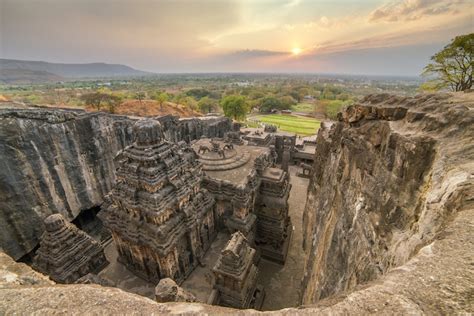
(59, 161)
(387, 178)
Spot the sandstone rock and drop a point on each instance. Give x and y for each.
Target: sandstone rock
(168, 291)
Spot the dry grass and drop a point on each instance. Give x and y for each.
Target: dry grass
(150, 108)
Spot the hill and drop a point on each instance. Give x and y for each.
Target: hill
(22, 76)
(92, 70)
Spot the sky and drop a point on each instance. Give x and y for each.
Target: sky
(372, 37)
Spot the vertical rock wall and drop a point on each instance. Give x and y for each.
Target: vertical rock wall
(386, 178)
(53, 162)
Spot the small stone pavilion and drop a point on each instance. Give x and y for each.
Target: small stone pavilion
(236, 275)
(161, 220)
(66, 253)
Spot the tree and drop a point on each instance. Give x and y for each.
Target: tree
(286, 102)
(270, 103)
(198, 93)
(179, 98)
(234, 106)
(140, 95)
(112, 102)
(94, 99)
(207, 105)
(190, 103)
(453, 65)
(161, 98)
(97, 99)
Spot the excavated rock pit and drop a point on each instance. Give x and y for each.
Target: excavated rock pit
(388, 226)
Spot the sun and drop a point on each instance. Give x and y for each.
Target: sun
(296, 51)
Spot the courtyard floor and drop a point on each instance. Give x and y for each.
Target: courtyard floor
(282, 282)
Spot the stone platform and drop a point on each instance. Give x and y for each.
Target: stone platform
(220, 158)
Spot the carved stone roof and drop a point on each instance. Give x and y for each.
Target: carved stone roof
(235, 258)
(66, 253)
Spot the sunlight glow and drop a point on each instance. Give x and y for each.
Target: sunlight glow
(296, 51)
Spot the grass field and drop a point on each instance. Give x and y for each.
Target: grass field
(303, 107)
(290, 123)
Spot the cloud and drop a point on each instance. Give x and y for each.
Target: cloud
(249, 54)
(402, 37)
(410, 10)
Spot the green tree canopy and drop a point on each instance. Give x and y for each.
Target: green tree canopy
(270, 103)
(207, 105)
(161, 98)
(234, 106)
(287, 101)
(190, 103)
(98, 98)
(198, 93)
(112, 101)
(452, 66)
(140, 95)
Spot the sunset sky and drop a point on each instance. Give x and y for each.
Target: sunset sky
(324, 36)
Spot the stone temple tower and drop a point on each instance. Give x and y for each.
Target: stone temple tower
(67, 253)
(236, 276)
(160, 218)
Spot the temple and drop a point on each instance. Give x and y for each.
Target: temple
(251, 193)
(171, 199)
(66, 253)
(161, 220)
(236, 275)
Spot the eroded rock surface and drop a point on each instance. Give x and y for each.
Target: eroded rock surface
(387, 178)
(168, 291)
(61, 161)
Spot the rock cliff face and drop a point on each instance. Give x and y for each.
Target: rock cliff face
(54, 161)
(387, 178)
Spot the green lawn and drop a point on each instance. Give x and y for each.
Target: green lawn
(303, 107)
(290, 123)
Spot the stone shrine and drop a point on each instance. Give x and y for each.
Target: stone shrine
(66, 253)
(236, 275)
(233, 181)
(161, 220)
(273, 225)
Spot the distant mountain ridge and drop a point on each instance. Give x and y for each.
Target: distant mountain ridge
(88, 70)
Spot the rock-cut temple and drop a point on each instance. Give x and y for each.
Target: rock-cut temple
(161, 219)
